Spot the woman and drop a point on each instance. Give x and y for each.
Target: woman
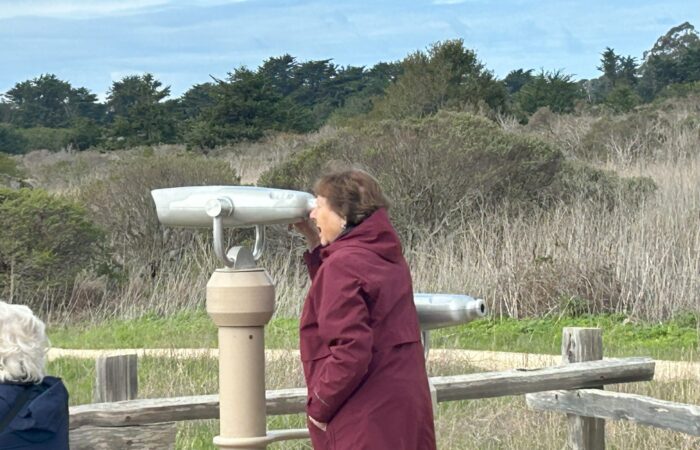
(360, 338)
(33, 407)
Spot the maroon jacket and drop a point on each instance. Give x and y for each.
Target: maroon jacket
(360, 345)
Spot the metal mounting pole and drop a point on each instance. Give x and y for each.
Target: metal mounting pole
(240, 301)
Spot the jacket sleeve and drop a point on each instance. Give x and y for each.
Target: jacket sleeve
(312, 259)
(343, 324)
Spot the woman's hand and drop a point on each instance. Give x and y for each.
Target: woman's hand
(309, 231)
(320, 425)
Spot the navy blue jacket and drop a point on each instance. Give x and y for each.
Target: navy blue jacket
(42, 423)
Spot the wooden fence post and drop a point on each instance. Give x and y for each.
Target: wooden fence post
(116, 378)
(580, 345)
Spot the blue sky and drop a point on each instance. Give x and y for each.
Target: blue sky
(92, 43)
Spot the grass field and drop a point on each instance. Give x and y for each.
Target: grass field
(674, 339)
(500, 423)
(538, 273)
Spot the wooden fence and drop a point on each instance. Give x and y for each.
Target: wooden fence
(150, 423)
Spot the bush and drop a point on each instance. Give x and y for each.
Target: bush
(122, 203)
(11, 140)
(624, 138)
(199, 134)
(8, 166)
(673, 91)
(52, 139)
(10, 174)
(431, 168)
(622, 99)
(84, 134)
(442, 169)
(46, 241)
(577, 180)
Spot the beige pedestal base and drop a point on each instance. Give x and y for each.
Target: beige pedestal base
(241, 302)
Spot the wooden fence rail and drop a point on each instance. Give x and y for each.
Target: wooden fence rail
(291, 401)
(574, 388)
(619, 406)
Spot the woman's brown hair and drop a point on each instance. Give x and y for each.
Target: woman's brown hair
(353, 194)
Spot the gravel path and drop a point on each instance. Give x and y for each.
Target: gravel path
(489, 361)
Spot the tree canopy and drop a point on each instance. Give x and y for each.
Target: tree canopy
(284, 94)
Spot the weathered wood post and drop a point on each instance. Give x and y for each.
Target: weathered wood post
(116, 378)
(580, 345)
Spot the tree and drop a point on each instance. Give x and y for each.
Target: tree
(282, 73)
(627, 72)
(137, 114)
(5, 111)
(83, 104)
(674, 58)
(49, 102)
(616, 86)
(246, 106)
(446, 76)
(610, 65)
(553, 89)
(317, 91)
(197, 99)
(516, 79)
(362, 93)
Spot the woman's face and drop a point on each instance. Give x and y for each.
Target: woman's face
(328, 222)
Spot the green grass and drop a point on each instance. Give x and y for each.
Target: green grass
(78, 376)
(492, 423)
(186, 329)
(676, 339)
(169, 377)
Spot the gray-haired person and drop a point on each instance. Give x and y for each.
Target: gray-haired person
(33, 406)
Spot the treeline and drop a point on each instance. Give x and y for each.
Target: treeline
(284, 94)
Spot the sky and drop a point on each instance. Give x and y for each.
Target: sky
(92, 43)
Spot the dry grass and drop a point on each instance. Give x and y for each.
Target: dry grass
(251, 159)
(642, 260)
(497, 423)
(577, 258)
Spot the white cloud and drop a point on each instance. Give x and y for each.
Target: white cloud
(88, 9)
(75, 9)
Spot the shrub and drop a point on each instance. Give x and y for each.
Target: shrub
(53, 139)
(579, 181)
(8, 166)
(46, 241)
(11, 140)
(673, 91)
(84, 134)
(622, 99)
(624, 138)
(448, 167)
(10, 174)
(431, 168)
(199, 134)
(122, 203)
